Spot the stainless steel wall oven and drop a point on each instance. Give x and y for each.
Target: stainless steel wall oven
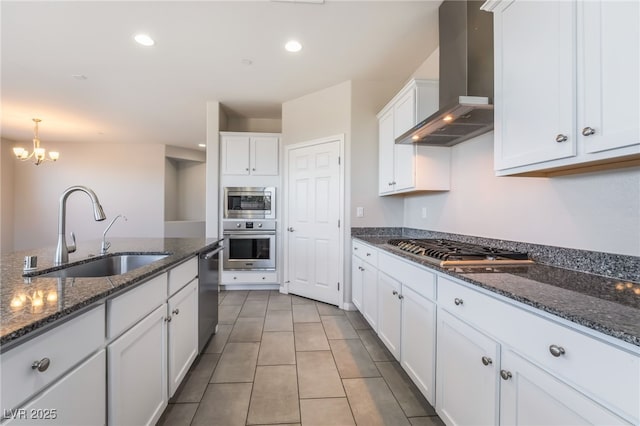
(249, 245)
(249, 202)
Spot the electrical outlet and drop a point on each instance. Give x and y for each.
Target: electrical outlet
(359, 211)
(424, 212)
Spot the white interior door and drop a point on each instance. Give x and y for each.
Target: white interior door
(314, 210)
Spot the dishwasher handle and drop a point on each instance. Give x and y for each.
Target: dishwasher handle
(209, 255)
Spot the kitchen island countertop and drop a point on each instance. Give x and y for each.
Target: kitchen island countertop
(63, 298)
(608, 305)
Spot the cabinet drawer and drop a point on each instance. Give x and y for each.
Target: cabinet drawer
(602, 371)
(182, 275)
(419, 280)
(126, 310)
(79, 398)
(64, 346)
(365, 252)
(243, 277)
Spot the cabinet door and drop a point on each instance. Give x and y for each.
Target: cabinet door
(404, 113)
(404, 118)
(370, 295)
(418, 353)
(609, 87)
(356, 282)
(386, 153)
(531, 396)
(137, 372)
(534, 82)
(466, 389)
(264, 156)
(183, 333)
(389, 313)
(235, 155)
(79, 398)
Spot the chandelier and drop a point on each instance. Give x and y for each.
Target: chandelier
(38, 154)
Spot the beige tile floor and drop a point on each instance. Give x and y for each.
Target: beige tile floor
(280, 359)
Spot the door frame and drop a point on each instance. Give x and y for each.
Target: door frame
(285, 210)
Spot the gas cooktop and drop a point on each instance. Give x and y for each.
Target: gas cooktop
(454, 253)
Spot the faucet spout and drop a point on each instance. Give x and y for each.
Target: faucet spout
(62, 249)
(105, 244)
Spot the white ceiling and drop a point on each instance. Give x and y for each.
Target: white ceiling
(158, 94)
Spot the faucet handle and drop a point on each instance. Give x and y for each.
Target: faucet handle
(72, 247)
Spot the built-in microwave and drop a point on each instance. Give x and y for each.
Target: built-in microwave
(249, 202)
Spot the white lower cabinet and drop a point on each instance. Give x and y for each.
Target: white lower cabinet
(466, 373)
(77, 399)
(418, 341)
(370, 295)
(531, 396)
(356, 282)
(137, 372)
(364, 281)
(482, 359)
(183, 333)
(389, 313)
(28, 369)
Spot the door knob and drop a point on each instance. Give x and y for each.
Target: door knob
(290, 229)
(41, 365)
(588, 131)
(506, 375)
(486, 360)
(561, 138)
(556, 350)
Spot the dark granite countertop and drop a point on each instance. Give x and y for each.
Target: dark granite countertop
(62, 298)
(608, 305)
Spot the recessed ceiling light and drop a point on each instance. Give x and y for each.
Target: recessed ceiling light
(79, 76)
(246, 62)
(202, 145)
(144, 40)
(293, 46)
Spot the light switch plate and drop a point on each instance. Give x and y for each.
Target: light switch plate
(359, 211)
(424, 212)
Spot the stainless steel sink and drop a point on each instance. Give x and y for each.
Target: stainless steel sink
(107, 266)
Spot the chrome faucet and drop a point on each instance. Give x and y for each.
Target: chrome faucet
(105, 245)
(63, 250)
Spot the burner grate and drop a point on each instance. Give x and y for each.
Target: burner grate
(446, 251)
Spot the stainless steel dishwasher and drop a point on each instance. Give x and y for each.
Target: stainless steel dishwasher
(209, 279)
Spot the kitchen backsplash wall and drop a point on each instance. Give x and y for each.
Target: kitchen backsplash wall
(595, 211)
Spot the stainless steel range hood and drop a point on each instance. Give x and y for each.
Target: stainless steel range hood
(466, 78)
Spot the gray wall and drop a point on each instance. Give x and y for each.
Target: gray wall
(128, 179)
(216, 121)
(317, 115)
(368, 98)
(7, 161)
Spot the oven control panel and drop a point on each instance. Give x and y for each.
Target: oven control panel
(253, 225)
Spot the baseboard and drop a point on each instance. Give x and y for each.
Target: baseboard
(348, 306)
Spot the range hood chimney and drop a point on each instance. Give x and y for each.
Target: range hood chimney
(466, 78)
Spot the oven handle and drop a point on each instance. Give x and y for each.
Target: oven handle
(209, 255)
(252, 232)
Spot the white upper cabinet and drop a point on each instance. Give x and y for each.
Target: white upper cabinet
(249, 154)
(409, 168)
(566, 85)
(609, 85)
